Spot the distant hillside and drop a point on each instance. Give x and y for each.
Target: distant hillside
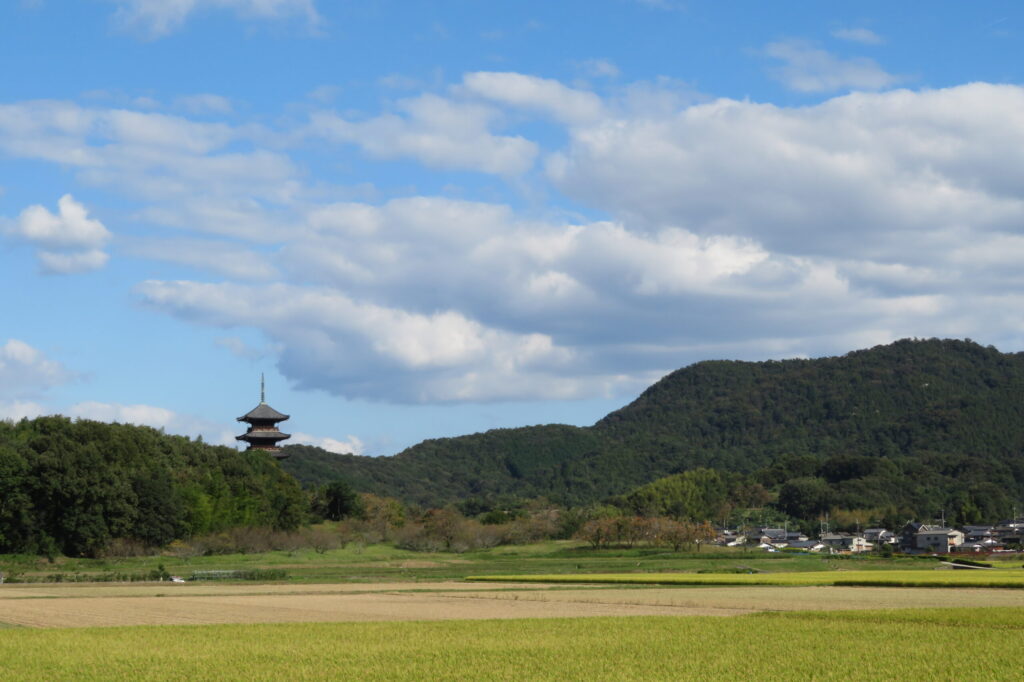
(921, 425)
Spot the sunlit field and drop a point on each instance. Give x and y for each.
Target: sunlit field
(567, 614)
(848, 646)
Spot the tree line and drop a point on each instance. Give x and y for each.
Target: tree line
(71, 487)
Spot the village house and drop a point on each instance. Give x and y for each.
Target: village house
(845, 543)
(1010, 532)
(977, 533)
(880, 536)
(937, 539)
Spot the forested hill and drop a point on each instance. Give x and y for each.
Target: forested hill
(70, 487)
(916, 424)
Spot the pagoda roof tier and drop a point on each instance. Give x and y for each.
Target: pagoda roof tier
(263, 412)
(263, 436)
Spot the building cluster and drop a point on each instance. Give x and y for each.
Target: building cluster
(913, 538)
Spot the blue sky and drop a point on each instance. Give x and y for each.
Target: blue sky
(423, 219)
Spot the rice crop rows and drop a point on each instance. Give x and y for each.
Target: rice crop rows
(877, 645)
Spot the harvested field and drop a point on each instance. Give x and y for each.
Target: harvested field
(298, 608)
(166, 604)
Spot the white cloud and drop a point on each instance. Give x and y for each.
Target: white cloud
(77, 237)
(191, 175)
(333, 342)
(898, 176)
(352, 444)
(71, 262)
(71, 228)
(731, 228)
(147, 415)
(155, 417)
(151, 156)
(157, 18)
(26, 372)
(810, 69)
(530, 92)
(505, 260)
(864, 36)
(20, 409)
(505, 274)
(226, 258)
(438, 132)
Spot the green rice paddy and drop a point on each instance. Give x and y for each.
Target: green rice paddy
(1003, 578)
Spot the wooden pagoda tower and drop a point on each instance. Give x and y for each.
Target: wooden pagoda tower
(263, 433)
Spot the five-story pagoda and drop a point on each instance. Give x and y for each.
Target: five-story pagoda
(263, 433)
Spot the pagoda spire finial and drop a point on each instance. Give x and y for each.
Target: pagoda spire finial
(263, 390)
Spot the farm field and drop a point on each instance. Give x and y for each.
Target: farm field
(1007, 578)
(386, 614)
(83, 605)
(868, 645)
(381, 562)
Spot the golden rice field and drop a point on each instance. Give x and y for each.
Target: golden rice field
(1004, 578)
(84, 605)
(941, 644)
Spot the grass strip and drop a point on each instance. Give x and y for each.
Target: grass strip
(947, 578)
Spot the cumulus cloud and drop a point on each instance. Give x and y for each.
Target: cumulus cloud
(352, 444)
(225, 258)
(510, 278)
(76, 236)
(542, 94)
(26, 372)
(705, 227)
(864, 174)
(155, 417)
(508, 262)
(17, 410)
(70, 228)
(157, 18)
(768, 229)
(208, 177)
(436, 131)
(806, 68)
(70, 263)
(146, 154)
(353, 348)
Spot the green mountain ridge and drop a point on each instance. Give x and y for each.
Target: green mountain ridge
(918, 424)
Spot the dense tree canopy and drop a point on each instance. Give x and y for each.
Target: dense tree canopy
(72, 486)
